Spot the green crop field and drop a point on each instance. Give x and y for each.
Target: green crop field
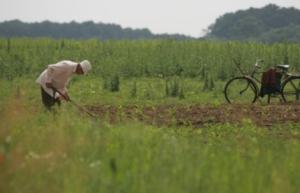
(68, 151)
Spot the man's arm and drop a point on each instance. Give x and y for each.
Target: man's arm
(57, 68)
(49, 74)
(49, 85)
(66, 96)
(63, 95)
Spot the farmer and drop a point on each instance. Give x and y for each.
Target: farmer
(55, 78)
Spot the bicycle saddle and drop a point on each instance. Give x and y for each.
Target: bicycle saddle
(283, 66)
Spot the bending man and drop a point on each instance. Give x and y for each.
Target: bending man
(56, 78)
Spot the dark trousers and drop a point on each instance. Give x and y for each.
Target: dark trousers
(49, 101)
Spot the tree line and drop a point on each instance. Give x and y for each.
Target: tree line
(75, 30)
(268, 24)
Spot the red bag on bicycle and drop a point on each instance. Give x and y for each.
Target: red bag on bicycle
(269, 78)
(270, 82)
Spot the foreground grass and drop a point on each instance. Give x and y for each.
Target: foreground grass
(69, 152)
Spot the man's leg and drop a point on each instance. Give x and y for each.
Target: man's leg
(48, 100)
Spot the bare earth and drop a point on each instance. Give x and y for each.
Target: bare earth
(200, 115)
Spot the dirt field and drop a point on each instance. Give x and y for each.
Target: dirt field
(199, 115)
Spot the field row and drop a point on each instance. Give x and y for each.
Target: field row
(143, 58)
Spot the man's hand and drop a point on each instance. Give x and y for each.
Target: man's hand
(66, 97)
(62, 95)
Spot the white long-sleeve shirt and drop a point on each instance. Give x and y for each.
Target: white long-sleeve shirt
(59, 75)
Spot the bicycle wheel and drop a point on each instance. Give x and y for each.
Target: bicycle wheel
(291, 89)
(241, 90)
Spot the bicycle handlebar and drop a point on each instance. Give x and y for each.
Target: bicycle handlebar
(257, 63)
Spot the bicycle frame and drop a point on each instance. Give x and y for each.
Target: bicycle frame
(289, 84)
(251, 76)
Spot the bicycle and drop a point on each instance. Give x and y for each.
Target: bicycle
(245, 88)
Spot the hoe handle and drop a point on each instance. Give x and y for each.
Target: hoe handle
(74, 103)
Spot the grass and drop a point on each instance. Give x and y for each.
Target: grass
(148, 90)
(69, 152)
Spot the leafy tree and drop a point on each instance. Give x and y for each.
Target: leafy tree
(268, 24)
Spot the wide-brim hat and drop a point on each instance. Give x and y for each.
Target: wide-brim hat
(86, 66)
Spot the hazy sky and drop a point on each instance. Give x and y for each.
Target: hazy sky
(188, 17)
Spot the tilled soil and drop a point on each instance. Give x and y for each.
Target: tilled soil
(200, 115)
